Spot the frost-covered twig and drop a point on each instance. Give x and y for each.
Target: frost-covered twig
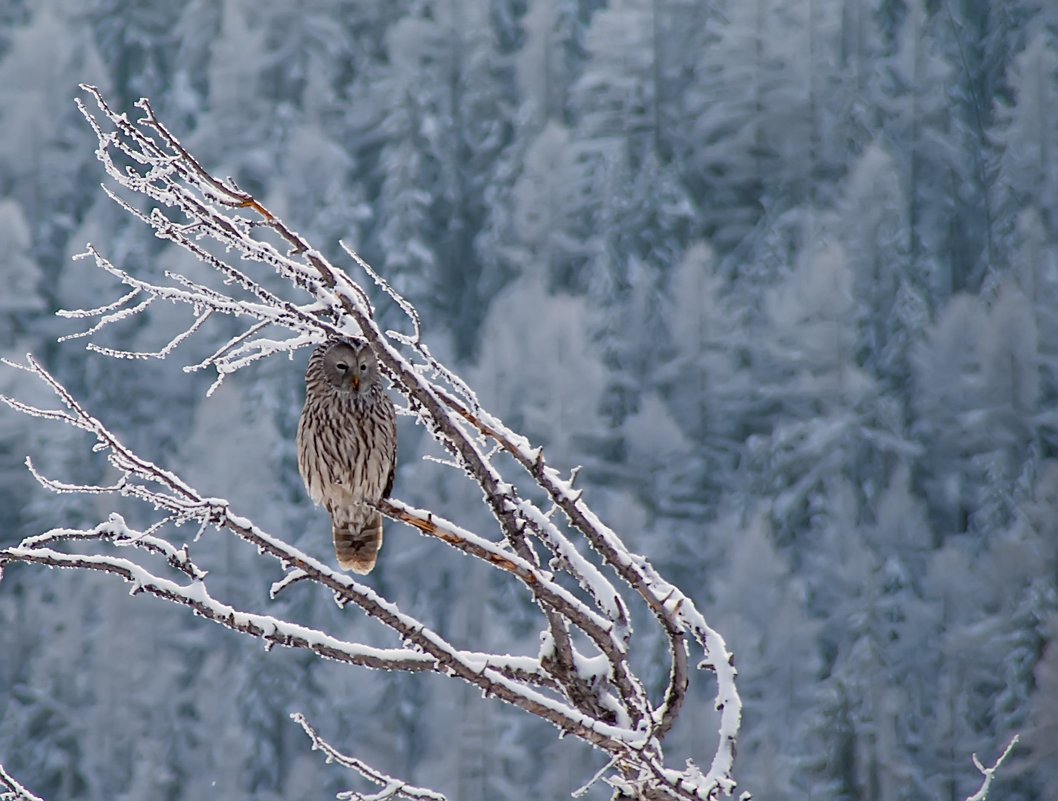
(391, 788)
(239, 351)
(582, 679)
(115, 531)
(989, 773)
(14, 790)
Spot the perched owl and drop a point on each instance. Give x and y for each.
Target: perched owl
(347, 446)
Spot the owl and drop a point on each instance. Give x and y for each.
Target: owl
(347, 446)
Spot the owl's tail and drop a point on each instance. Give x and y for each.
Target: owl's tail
(357, 541)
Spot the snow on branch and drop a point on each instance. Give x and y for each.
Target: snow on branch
(391, 788)
(989, 773)
(581, 576)
(12, 790)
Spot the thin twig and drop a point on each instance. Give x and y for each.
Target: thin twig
(392, 788)
(16, 791)
(989, 773)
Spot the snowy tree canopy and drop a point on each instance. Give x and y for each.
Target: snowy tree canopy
(774, 283)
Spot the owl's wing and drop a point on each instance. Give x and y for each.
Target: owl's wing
(310, 464)
(389, 479)
(391, 423)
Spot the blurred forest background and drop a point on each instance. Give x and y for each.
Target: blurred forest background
(780, 274)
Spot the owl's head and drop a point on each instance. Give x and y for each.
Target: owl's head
(349, 366)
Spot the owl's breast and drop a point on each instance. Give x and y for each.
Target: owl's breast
(344, 457)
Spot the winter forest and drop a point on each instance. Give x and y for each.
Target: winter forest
(781, 276)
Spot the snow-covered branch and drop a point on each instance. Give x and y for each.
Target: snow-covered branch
(391, 788)
(989, 773)
(12, 790)
(581, 681)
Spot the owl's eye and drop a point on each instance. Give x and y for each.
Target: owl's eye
(341, 367)
(363, 367)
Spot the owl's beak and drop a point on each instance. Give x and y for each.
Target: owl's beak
(356, 383)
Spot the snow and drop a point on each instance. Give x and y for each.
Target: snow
(784, 283)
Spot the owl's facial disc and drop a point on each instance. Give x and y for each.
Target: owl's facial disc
(340, 367)
(346, 372)
(349, 369)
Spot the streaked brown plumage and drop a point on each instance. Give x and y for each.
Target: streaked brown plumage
(347, 446)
